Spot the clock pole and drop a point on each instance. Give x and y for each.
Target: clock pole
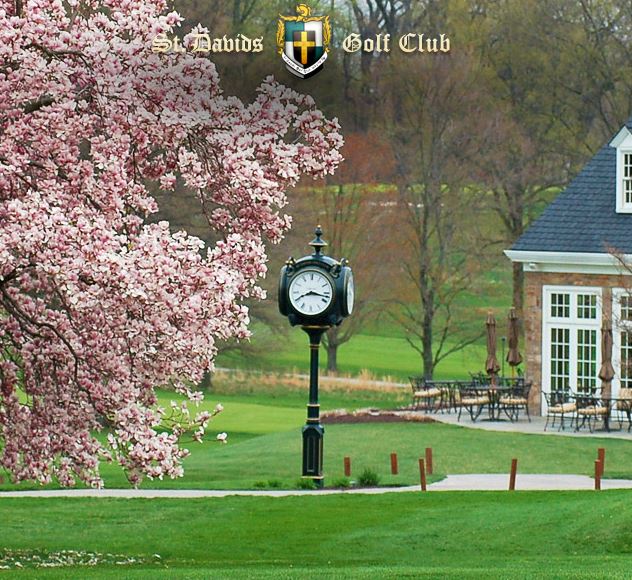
(313, 431)
(315, 292)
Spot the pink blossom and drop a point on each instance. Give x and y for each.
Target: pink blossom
(98, 304)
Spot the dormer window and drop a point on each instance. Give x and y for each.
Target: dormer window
(627, 179)
(623, 144)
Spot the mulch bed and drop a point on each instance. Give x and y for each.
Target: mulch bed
(378, 417)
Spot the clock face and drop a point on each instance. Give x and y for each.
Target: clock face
(350, 293)
(311, 292)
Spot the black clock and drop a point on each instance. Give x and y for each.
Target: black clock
(316, 290)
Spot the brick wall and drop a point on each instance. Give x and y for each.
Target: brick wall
(533, 317)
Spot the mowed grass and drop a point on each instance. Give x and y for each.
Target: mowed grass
(381, 355)
(265, 442)
(438, 535)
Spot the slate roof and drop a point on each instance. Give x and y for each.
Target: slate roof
(583, 218)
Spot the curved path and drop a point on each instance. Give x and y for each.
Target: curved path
(468, 482)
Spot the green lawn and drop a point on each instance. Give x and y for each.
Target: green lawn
(440, 535)
(272, 459)
(381, 355)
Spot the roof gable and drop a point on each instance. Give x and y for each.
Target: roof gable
(583, 217)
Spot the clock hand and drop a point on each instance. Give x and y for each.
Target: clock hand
(311, 293)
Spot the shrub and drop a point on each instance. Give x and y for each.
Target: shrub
(305, 483)
(368, 478)
(341, 482)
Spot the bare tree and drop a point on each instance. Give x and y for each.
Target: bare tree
(433, 128)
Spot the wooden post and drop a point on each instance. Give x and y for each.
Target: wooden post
(347, 466)
(429, 460)
(601, 456)
(598, 468)
(512, 475)
(394, 469)
(422, 474)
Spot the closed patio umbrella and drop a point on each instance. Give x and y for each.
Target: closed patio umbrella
(606, 372)
(491, 364)
(514, 358)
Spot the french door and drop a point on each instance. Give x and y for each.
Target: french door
(571, 344)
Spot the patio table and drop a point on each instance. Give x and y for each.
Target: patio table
(494, 394)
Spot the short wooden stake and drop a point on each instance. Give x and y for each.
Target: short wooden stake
(598, 468)
(394, 469)
(512, 475)
(601, 456)
(429, 460)
(347, 466)
(422, 474)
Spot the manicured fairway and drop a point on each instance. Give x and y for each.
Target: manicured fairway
(382, 355)
(454, 535)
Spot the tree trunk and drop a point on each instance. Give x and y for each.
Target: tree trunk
(331, 344)
(206, 384)
(428, 359)
(332, 357)
(518, 288)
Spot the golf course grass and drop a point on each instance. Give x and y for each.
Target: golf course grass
(394, 535)
(439, 535)
(264, 448)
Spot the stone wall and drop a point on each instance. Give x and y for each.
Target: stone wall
(533, 317)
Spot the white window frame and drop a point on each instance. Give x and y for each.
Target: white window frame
(623, 144)
(617, 326)
(622, 205)
(573, 323)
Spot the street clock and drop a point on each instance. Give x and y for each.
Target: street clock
(315, 292)
(316, 289)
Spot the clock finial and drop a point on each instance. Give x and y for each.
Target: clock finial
(318, 243)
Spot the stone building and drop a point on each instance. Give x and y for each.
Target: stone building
(577, 259)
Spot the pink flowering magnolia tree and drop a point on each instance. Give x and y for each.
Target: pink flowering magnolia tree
(99, 306)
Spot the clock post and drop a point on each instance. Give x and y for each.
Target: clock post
(315, 292)
(313, 431)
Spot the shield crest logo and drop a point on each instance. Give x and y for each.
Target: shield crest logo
(303, 41)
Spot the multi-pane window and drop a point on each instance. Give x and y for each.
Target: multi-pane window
(587, 306)
(586, 360)
(622, 334)
(571, 327)
(560, 305)
(627, 178)
(625, 353)
(560, 359)
(626, 307)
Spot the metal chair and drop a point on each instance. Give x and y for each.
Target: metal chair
(590, 408)
(425, 394)
(624, 406)
(516, 399)
(473, 399)
(559, 406)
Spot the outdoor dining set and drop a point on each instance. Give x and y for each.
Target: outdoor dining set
(495, 398)
(504, 398)
(588, 408)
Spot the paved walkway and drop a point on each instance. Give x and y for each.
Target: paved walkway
(469, 482)
(536, 426)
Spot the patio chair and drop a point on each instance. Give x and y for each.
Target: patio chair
(590, 409)
(473, 399)
(515, 399)
(624, 406)
(559, 406)
(425, 395)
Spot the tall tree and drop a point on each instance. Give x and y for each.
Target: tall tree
(434, 124)
(98, 306)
